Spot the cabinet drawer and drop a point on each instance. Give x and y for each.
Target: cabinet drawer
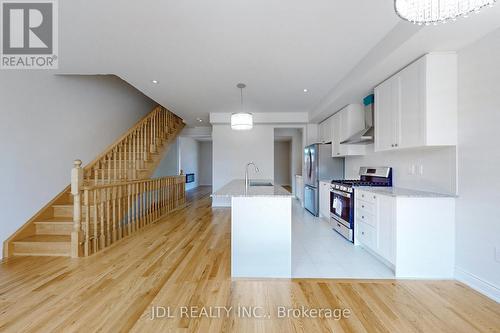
(366, 196)
(367, 235)
(366, 206)
(365, 217)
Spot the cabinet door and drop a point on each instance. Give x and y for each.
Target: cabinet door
(325, 130)
(411, 111)
(324, 199)
(329, 129)
(386, 231)
(312, 134)
(336, 134)
(386, 106)
(321, 136)
(343, 131)
(299, 190)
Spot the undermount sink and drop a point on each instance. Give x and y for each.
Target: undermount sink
(257, 183)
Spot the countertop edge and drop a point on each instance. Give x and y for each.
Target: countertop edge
(236, 188)
(406, 192)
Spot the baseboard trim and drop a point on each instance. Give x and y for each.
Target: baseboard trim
(478, 284)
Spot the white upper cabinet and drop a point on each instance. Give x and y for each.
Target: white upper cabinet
(336, 134)
(345, 123)
(417, 107)
(326, 130)
(386, 117)
(312, 134)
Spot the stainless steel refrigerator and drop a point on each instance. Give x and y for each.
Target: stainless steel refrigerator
(319, 165)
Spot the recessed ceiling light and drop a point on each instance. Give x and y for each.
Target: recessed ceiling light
(155, 81)
(199, 120)
(305, 90)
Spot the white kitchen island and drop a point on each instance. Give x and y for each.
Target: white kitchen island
(261, 229)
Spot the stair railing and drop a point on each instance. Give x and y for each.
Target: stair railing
(124, 160)
(105, 213)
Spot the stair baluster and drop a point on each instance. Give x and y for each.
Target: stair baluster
(115, 196)
(76, 183)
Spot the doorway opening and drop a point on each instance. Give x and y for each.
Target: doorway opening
(287, 157)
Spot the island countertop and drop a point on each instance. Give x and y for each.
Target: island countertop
(236, 188)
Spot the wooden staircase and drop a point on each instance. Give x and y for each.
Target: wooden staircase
(133, 157)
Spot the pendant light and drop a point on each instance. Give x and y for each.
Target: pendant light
(241, 120)
(437, 11)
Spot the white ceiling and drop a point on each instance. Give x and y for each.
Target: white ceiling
(199, 50)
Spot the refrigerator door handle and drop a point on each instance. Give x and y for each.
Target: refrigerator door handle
(310, 164)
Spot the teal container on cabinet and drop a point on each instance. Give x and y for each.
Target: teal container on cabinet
(368, 100)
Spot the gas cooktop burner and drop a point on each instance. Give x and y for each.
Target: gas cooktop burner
(381, 176)
(357, 182)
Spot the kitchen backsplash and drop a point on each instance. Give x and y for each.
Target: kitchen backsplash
(427, 169)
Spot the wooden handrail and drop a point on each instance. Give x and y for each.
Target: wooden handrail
(108, 212)
(126, 134)
(134, 156)
(128, 156)
(110, 197)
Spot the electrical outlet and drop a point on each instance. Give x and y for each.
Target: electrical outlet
(421, 169)
(411, 169)
(497, 254)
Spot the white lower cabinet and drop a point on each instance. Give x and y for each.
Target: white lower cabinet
(386, 227)
(375, 223)
(324, 199)
(367, 235)
(415, 236)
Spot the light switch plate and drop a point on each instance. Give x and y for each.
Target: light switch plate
(497, 254)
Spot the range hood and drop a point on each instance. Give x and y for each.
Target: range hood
(363, 137)
(366, 135)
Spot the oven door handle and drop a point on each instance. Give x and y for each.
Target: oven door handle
(345, 195)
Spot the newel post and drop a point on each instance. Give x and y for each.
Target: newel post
(76, 185)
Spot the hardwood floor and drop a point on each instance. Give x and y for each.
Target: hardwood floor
(185, 261)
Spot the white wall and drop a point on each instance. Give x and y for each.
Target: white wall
(478, 204)
(439, 166)
(189, 152)
(232, 150)
(297, 148)
(169, 165)
(205, 163)
(282, 162)
(47, 121)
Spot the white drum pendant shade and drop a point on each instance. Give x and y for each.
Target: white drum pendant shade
(241, 121)
(437, 11)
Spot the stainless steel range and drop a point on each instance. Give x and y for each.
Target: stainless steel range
(342, 197)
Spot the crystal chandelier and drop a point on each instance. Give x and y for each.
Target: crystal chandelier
(437, 11)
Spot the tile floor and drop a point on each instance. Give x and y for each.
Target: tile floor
(320, 252)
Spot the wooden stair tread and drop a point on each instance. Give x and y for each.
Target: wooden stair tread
(134, 161)
(118, 169)
(43, 245)
(56, 220)
(45, 239)
(63, 205)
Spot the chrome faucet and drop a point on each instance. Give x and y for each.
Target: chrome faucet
(247, 181)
